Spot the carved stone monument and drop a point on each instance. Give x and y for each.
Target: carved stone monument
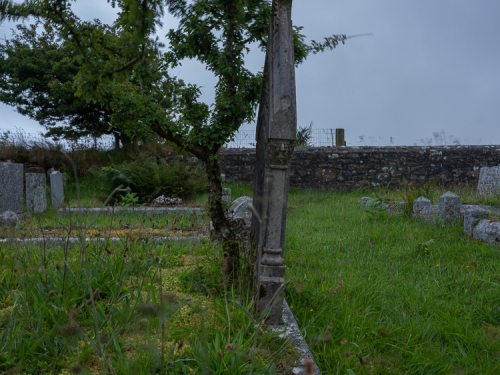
(275, 136)
(34, 181)
(11, 187)
(56, 189)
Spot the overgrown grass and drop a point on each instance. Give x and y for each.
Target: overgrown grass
(416, 298)
(129, 308)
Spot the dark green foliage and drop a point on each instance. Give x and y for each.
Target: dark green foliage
(37, 73)
(148, 179)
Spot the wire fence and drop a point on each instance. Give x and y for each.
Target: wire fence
(243, 139)
(319, 138)
(20, 138)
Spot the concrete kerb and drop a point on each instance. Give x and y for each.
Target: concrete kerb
(291, 332)
(74, 241)
(146, 211)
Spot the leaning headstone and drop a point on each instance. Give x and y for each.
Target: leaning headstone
(226, 195)
(472, 216)
(39, 199)
(11, 187)
(240, 210)
(33, 181)
(56, 189)
(489, 182)
(419, 204)
(275, 136)
(449, 206)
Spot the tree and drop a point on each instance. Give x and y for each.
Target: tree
(121, 65)
(37, 72)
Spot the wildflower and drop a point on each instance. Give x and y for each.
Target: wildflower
(229, 347)
(343, 342)
(219, 354)
(311, 309)
(437, 265)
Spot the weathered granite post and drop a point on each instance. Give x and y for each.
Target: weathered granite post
(276, 129)
(449, 206)
(56, 189)
(419, 204)
(33, 181)
(11, 187)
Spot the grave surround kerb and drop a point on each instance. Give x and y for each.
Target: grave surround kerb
(472, 216)
(275, 136)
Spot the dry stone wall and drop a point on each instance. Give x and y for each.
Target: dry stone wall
(343, 168)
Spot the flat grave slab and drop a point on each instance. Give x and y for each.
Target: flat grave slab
(146, 211)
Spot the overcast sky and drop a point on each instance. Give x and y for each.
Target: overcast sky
(430, 65)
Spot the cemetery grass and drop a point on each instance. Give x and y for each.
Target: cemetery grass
(416, 298)
(146, 309)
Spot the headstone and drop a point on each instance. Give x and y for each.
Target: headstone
(240, 210)
(39, 199)
(489, 181)
(226, 195)
(56, 189)
(11, 187)
(275, 136)
(449, 206)
(419, 204)
(472, 216)
(33, 181)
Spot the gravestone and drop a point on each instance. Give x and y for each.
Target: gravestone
(449, 206)
(11, 187)
(489, 181)
(240, 210)
(56, 189)
(275, 136)
(33, 181)
(39, 199)
(419, 204)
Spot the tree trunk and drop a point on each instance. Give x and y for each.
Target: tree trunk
(223, 230)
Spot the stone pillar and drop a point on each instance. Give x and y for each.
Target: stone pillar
(11, 187)
(449, 206)
(472, 216)
(419, 204)
(275, 135)
(56, 189)
(33, 181)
